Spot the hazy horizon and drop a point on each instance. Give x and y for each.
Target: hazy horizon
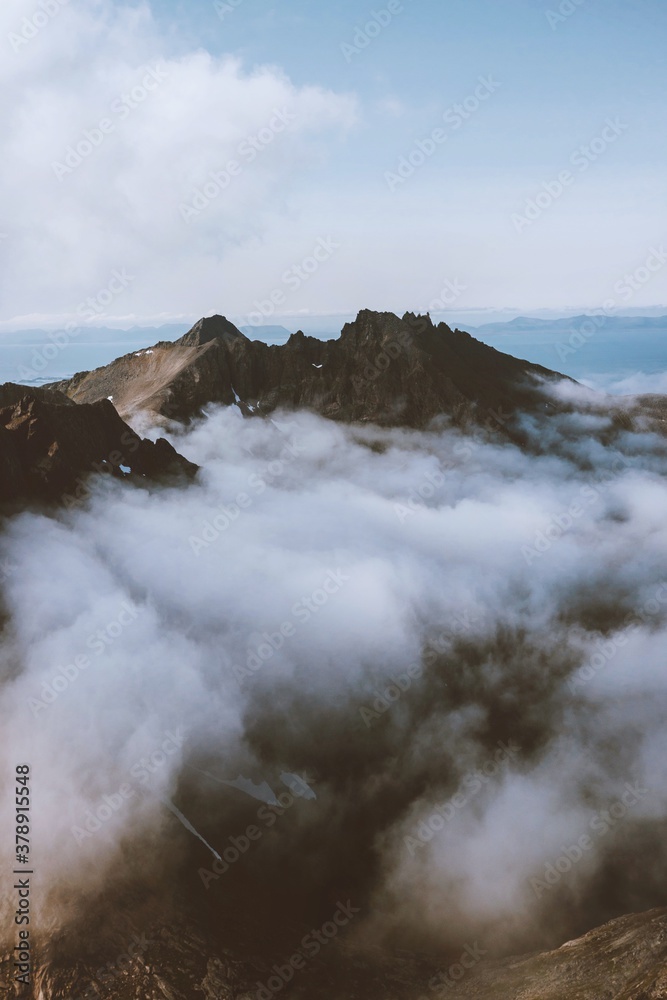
(618, 355)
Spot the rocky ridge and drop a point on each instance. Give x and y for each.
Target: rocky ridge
(382, 369)
(49, 445)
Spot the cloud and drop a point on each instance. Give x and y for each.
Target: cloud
(103, 154)
(270, 614)
(636, 383)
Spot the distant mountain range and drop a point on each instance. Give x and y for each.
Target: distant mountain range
(133, 335)
(279, 334)
(531, 325)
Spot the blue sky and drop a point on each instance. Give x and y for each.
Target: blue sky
(560, 79)
(562, 76)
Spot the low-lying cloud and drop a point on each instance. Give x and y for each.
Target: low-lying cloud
(510, 653)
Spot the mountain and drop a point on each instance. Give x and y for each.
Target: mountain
(529, 324)
(381, 369)
(49, 445)
(623, 960)
(173, 958)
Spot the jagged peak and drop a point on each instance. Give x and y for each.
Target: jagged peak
(418, 319)
(211, 328)
(370, 325)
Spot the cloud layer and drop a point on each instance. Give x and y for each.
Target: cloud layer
(459, 647)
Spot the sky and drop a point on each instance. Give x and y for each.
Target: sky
(163, 161)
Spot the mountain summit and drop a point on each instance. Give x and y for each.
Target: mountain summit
(382, 369)
(211, 329)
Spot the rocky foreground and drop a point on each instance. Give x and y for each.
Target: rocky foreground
(49, 446)
(625, 959)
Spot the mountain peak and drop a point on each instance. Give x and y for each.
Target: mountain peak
(209, 329)
(383, 369)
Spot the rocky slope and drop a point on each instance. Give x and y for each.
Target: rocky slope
(382, 370)
(49, 445)
(625, 959)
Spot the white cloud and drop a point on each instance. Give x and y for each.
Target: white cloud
(587, 608)
(121, 206)
(633, 384)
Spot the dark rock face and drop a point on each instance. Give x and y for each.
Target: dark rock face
(48, 445)
(382, 369)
